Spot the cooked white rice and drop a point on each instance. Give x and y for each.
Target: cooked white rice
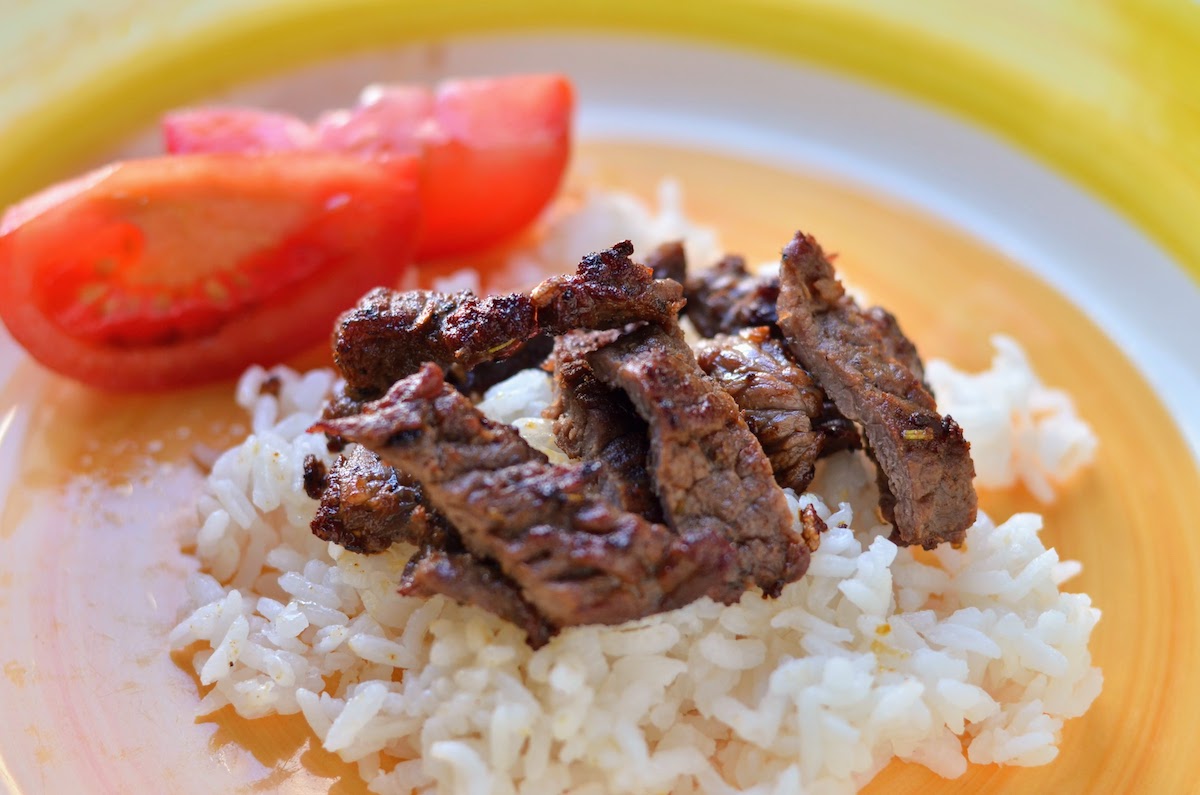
(1019, 429)
(878, 652)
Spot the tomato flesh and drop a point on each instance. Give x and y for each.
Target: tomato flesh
(234, 129)
(493, 151)
(174, 271)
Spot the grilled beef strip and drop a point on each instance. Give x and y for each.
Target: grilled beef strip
(727, 298)
(388, 335)
(468, 580)
(376, 343)
(366, 506)
(779, 400)
(576, 558)
(711, 474)
(668, 261)
(609, 290)
(594, 422)
(864, 365)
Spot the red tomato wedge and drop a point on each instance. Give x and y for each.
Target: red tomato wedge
(493, 151)
(178, 270)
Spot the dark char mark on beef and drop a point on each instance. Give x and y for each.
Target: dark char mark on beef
(711, 473)
(576, 558)
(367, 506)
(779, 400)
(595, 422)
(388, 335)
(866, 366)
(374, 346)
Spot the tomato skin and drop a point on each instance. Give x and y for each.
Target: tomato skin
(307, 235)
(493, 150)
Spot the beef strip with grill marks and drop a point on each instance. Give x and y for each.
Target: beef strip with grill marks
(466, 579)
(367, 506)
(593, 421)
(388, 334)
(710, 472)
(777, 397)
(576, 558)
(864, 367)
(727, 298)
(374, 343)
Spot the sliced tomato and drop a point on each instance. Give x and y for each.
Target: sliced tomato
(234, 130)
(174, 271)
(494, 159)
(493, 150)
(387, 121)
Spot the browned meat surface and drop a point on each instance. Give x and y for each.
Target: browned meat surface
(865, 368)
(777, 397)
(576, 558)
(468, 580)
(594, 422)
(609, 290)
(727, 298)
(668, 261)
(389, 334)
(711, 473)
(315, 477)
(366, 506)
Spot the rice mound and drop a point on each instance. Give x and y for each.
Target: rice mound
(1019, 429)
(879, 652)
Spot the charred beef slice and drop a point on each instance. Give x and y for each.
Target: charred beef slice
(781, 403)
(609, 290)
(711, 474)
(388, 335)
(865, 364)
(727, 298)
(595, 422)
(576, 558)
(366, 506)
